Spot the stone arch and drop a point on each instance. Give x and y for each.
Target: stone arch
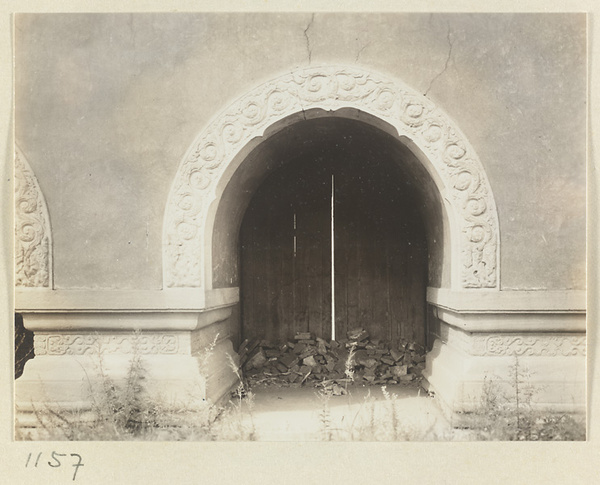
(33, 237)
(422, 126)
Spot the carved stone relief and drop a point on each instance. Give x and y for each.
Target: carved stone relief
(33, 243)
(520, 345)
(333, 88)
(91, 344)
(537, 345)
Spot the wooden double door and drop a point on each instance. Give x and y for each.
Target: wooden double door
(380, 252)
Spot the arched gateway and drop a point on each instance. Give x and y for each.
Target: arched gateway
(473, 249)
(474, 329)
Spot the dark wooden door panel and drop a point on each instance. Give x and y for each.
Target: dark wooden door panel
(380, 252)
(285, 241)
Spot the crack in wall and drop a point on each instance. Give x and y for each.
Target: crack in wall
(437, 76)
(301, 106)
(132, 31)
(308, 48)
(362, 48)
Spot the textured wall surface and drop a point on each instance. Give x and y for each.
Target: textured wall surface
(107, 105)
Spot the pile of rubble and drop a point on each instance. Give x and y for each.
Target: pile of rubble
(331, 364)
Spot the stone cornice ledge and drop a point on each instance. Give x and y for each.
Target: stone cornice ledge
(43, 300)
(124, 321)
(510, 311)
(526, 301)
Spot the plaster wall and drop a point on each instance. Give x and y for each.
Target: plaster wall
(107, 105)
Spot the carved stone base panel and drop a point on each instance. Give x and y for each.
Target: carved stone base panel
(179, 368)
(211, 345)
(101, 344)
(74, 381)
(220, 371)
(534, 338)
(458, 379)
(515, 344)
(204, 338)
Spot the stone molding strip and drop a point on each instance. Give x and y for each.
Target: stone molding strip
(118, 322)
(179, 300)
(463, 181)
(500, 321)
(109, 321)
(33, 236)
(514, 301)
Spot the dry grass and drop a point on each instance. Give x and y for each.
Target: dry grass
(123, 410)
(510, 416)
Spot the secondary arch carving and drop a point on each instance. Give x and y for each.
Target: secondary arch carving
(33, 238)
(442, 148)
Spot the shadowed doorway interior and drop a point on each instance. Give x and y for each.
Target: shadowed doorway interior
(380, 247)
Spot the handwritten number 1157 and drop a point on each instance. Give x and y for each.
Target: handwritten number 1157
(55, 463)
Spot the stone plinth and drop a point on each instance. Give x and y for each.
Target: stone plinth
(518, 340)
(185, 356)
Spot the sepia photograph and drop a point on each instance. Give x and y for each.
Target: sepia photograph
(300, 226)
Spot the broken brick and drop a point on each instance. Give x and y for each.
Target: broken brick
(399, 370)
(310, 359)
(396, 354)
(289, 359)
(299, 348)
(257, 360)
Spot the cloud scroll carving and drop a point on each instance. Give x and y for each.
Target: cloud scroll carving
(332, 88)
(33, 243)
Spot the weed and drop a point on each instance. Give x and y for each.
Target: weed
(239, 424)
(124, 410)
(506, 416)
(207, 354)
(381, 420)
(325, 416)
(390, 400)
(349, 365)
